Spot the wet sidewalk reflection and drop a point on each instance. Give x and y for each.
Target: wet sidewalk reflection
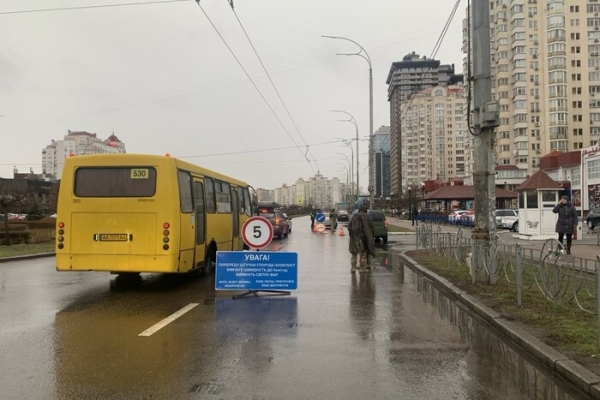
(494, 369)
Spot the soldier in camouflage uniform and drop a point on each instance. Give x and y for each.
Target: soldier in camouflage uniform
(362, 240)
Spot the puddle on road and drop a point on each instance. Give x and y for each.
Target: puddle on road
(496, 369)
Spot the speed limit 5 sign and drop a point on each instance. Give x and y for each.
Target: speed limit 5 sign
(257, 232)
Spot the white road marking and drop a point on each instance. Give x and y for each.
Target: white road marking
(156, 327)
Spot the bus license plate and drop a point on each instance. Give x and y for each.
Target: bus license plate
(112, 237)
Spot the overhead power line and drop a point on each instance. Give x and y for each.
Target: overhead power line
(92, 7)
(249, 77)
(257, 151)
(434, 52)
(274, 87)
(217, 154)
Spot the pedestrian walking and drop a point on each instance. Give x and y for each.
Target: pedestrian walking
(415, 212)
(567, 221)
(313, 215)
(362, 239)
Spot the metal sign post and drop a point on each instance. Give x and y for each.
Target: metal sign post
(269, 271)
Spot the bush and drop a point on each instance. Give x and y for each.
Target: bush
(16, 237)
(15, 226)
(42, 235)
(47, 223)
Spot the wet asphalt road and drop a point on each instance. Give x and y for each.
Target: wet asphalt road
(373, 336)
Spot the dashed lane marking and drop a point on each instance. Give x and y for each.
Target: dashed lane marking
(156, 327)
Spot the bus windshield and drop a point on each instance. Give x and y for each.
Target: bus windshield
(115, 182)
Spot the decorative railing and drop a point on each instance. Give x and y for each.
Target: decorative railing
(561, 278)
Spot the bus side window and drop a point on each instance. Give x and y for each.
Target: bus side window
(185, 192)
(223, 195)
(247, 203)
(211, 206)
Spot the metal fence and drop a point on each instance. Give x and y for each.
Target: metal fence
(445, 220)
(560, 278)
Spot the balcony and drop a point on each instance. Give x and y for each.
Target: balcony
(553, 109)
(558, 136)
(555, 67)
(556, 39)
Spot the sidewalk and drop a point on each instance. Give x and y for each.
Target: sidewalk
(585, 248)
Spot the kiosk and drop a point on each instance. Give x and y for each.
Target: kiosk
(537, 197)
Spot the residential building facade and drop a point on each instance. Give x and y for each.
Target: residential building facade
(381, 148)
(546, 80)
(405, 78)
(318, 191)
(434, 134)
(76, 143)
(263, 195)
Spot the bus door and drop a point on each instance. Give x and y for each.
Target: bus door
(200, 214)
(187, 222)
(235, 215)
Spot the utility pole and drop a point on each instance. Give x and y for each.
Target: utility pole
(485, 118)
(371, 141)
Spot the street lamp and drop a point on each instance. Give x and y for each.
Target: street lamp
(349, 144)
(353, 120)
(350, 166)
(364, 55)
(345, 168)
(410, 207)
(423, 196)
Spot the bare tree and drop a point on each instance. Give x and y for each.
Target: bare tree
(14, 197)
(53, 198)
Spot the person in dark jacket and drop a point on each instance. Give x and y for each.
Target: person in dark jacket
(333, 219)
(567, 220)
(415, 212)
(362, 239)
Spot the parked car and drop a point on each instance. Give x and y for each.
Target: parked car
(343, 216)
(289, 220)
(593, 218)
(507, 219)
(460, 215)
(380, 224)
(281, 227)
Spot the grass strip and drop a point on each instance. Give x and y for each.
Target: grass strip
(26, 249)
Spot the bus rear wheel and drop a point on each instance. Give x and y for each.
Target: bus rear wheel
(205, 270)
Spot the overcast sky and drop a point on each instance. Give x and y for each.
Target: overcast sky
(160, 77)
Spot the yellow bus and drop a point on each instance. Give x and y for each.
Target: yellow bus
(132, 213)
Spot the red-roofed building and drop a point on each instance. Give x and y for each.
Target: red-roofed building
(76, 143)
(450, 195)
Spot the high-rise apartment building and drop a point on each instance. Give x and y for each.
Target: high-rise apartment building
(76, 143)
(434, 132)
(546, 80)
(264, 195)
(381, 148)
(406, 77)
(317, 191)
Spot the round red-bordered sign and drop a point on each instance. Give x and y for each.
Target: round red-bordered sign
(257, 232)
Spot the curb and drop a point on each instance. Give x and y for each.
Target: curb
(27, 257)
(571, 371)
